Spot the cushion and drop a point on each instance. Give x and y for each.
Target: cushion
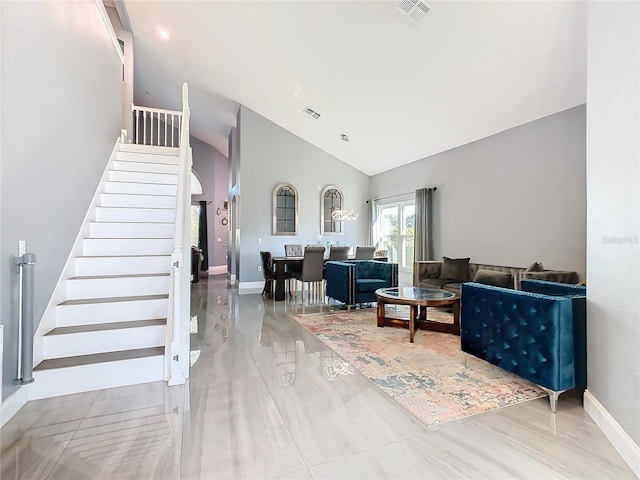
(535, 267)
(454, 268)
(433, 282)
(370, 284)
(453, 287)
(492, 277)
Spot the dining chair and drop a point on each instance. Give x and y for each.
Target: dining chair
(312, 270)
(293, 250)
(339, 252)
(269, 273)
(364, 253)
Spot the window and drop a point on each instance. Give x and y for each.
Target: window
(285, 210)
(395, 227)
(330, 201)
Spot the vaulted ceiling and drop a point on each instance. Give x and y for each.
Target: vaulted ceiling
(400, 90)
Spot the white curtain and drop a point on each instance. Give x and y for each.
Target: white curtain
(423, 248)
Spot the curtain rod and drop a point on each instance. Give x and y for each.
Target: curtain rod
(400, 194)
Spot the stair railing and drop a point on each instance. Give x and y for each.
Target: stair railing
(155, 126)
(177, 343)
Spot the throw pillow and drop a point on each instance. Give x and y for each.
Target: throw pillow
(454, 268)
(535, 267)
(491, 277)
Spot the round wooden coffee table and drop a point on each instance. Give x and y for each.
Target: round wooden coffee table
(418, 299)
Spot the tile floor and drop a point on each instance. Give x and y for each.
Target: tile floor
(265, 400)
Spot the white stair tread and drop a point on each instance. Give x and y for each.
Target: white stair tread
(139, 194)
(66, 362)
(138, 298)
(106, 326)
(129, 275)
(136, 208)
(124, 255)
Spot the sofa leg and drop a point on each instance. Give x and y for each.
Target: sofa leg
(553, 398)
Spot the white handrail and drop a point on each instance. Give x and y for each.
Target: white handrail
(177, 344)
(147, 128)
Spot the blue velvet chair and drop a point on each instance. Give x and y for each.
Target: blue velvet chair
(533, 335)
(356, 281)
(578, 296)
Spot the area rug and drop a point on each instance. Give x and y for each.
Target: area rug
(432, 378)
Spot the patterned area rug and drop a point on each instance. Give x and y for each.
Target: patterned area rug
(432, 378)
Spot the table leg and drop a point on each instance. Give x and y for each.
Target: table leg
(380, 313)
(413, 310)
(279, 280)
(456, 317)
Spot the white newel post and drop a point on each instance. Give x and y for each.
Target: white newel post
(177, 347)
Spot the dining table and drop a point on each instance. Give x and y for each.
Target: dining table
(280, 265)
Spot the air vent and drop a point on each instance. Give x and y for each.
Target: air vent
(313, 113)
(416, 10)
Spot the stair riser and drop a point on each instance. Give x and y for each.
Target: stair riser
(147, 157)
(57, 346)
(149, 149)
(117, 214)
(126, 246)
(142, 177)
(131, 230)
(116, 287)
(86, 266)
(137, 201)
(86, 378)
(140, 188)
(88, 314)
(145, 167)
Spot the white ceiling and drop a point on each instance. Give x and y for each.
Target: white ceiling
(400, 91)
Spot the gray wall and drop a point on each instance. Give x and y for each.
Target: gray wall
(510, 199)
(613, 256)
(61, 88)
(211, 167)
(270, 155)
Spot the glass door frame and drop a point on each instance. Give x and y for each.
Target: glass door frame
(399, 245)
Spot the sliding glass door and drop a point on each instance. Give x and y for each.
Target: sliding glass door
(395, 228)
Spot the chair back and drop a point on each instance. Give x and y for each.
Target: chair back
(293, 250)
(267, 265)
(339, 252)
(312, 264)
(365, 253)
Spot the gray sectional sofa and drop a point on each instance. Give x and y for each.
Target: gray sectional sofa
(431, 274)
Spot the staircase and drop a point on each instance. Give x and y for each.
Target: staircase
(111, 330)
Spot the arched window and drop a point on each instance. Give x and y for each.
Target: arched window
(331, 200)
(285, 209)
(196, 185)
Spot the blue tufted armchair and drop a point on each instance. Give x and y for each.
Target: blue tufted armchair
(538, 334)
(354, 282)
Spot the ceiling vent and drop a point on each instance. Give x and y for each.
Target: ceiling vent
(313, 113)
(416, 10)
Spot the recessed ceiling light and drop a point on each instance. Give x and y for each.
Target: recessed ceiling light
(163, 33)
(345, 138)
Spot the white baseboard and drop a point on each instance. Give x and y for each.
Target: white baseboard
(250, 287)
(218, 270)
(13, 403)
(620, 439)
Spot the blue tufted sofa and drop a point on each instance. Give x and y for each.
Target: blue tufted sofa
(354, 282)
(538, 334)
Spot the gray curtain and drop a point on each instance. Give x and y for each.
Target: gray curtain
(423, 248)
(372, 214)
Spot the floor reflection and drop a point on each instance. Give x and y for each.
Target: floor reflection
(267, 399)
